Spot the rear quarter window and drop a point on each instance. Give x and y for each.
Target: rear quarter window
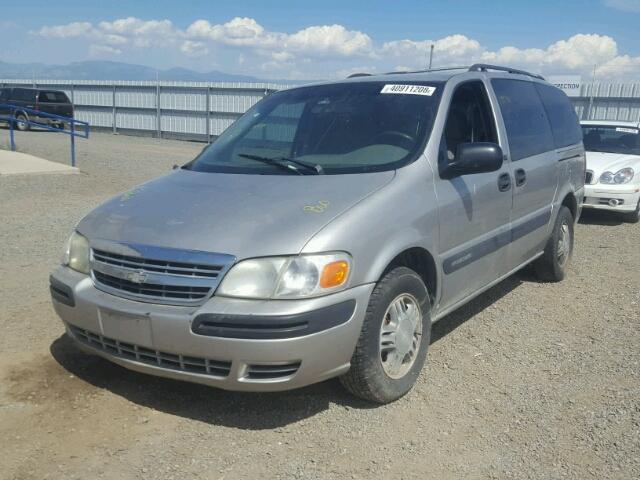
(564, 121)
(528, 128)
(53, 97)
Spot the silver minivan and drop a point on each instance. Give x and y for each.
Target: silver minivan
(324, 232)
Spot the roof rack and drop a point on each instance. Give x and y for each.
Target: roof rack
(443, 69)
(477, 67)
(482, 67)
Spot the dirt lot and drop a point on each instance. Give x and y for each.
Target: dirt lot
(529, 381)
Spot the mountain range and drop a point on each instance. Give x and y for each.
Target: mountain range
(107, 70)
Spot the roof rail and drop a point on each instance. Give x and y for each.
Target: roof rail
(354, 75)
(443, 69)
(482, 67)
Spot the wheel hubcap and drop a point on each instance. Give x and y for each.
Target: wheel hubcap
(400, 335)
(564, 244)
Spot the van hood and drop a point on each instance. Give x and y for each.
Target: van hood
(241, 215)
(600, 162)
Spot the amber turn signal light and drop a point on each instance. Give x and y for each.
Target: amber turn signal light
(334, 274)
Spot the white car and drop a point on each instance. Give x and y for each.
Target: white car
(613, 167)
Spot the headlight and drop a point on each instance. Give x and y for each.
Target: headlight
(621, 176)
(76, 254)
(301, 276)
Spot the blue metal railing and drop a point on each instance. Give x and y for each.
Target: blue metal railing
(73, 132)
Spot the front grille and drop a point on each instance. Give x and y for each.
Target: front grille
(151, 290)
(588, 178)
(158, 275)
(172, 268)
(270, 372)
(170, 361)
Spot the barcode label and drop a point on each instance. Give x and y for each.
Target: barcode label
(409, 89)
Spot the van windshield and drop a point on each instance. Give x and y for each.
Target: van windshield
(327, 129)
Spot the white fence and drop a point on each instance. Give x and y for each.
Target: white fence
(201, 111)
(194, 110)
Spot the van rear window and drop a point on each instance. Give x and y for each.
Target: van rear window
(564, 121)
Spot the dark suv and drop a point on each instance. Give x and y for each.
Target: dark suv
(47, 101)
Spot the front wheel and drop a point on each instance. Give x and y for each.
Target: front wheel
(552, 265)
(21, 122)
(393, 343)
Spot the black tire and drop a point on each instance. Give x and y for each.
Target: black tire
(23, 127)
(633, 217)
(550, 267)
(367, 378)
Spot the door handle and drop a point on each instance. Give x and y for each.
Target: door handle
(521, 177)
(504, 182)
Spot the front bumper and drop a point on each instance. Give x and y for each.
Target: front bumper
(159, 339)
(599, 196)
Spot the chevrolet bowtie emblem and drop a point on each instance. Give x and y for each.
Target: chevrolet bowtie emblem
(136, 277)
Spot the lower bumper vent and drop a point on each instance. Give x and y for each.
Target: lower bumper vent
(170, 361)
(270, 372)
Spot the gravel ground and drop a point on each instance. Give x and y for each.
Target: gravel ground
(529, 381)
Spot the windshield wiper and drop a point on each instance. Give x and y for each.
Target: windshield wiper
(287, 163)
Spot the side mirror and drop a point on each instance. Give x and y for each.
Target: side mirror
(478, 157)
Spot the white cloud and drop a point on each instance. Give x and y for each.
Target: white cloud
(578, 53)
(112, 39)
(619, 66)
(282, 56)
(194, 49)
(453, 46)
(136, 27)
(624, 5)
(237, 32)
(103, 51)
(454, 49)
(318, 50)
(125, 31)
(70, 30)
(329, 40)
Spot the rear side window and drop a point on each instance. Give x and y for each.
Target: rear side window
(4, 94)
(52, 97)
(564, 121)
(524, 117)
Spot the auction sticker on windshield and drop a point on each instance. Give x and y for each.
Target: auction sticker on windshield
(409, 89)
(627, 130)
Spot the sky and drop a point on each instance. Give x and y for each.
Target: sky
(328, 38)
